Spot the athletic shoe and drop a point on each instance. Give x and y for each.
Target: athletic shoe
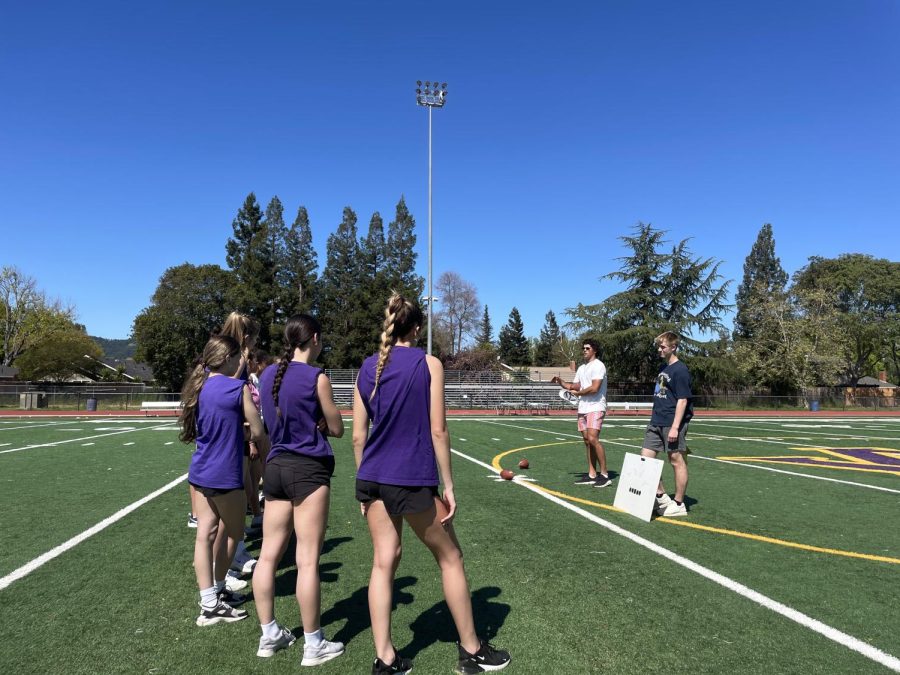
(268, 646)
(486, 658)
(232, 598)
(398, 666)
(602, 481)
(586, 480)
(661, 503)
(221, 612)
(674, 509)
(322, 652)
(234, 583)
(192, 520)
(243, 563)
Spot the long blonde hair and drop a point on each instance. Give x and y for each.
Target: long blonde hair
(241, 327)
(400, 317)
(216, 353)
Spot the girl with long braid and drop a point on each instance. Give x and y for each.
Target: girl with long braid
(400, 392)
(298, 406)
(215, 404)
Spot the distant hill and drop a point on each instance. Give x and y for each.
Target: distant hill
(115, 350)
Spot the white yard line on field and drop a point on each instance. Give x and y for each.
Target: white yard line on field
(843, 639)
(635, 448)
(76, 440)
(30, 567)
(35, 426)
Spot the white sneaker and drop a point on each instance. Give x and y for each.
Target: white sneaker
(322, 652)
(234, 583)
(662, 503)
(674, 509)
(243, 562)
(268, 646)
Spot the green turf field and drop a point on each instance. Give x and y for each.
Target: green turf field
(783, 565)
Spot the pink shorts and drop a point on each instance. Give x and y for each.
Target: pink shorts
(591, 420)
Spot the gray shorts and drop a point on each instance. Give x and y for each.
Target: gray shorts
(657, 439)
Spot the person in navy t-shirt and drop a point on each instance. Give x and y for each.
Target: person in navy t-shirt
(401, 444)
(673, 408)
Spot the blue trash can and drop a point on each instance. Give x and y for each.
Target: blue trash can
(91, 404)
(814, 406)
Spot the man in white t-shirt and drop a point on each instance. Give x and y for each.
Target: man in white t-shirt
(589, 386)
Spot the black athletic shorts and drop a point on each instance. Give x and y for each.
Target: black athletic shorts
(398, 499)
(292, 476)
(213, 492)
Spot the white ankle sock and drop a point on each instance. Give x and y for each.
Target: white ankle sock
(315, 638)
(271, 630)
(209, 598)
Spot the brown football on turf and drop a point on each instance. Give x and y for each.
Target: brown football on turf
(523, 463)
(506, 474)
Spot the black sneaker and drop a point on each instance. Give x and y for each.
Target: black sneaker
(586, 480)
(602, 481)
(398, 666)
(221, 612)
(232, 598)
(486, 658)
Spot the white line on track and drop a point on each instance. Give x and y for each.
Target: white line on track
(722, 461)
(30, 567)
(72, 440)
(35, 426)
(843, 639)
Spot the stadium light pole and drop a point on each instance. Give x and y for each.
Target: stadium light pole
(432, 96)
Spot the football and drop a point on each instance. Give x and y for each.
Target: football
(506, 474)
(523, 463)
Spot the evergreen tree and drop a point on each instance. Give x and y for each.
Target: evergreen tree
(764, 278)
(298, 275)
(250, 256)
(346, 322)
(400, 256)
(276, 245)
(545, 351)
(514, 348)
(485, 338)
(375, 289)
(664, 291)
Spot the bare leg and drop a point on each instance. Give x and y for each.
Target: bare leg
(207, 527)
(386, 541)
(588, 450)
(277, 525)
(310, 518)
(444, 546)
(679, 466)
(595, 449)
(646, 452)
(230, 507)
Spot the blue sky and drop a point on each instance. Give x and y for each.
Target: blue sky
(131, 133)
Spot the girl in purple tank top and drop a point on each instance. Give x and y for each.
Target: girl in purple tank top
(215, 405)
(299, 410)
(400, 441)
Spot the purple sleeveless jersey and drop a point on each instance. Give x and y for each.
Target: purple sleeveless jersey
(399, 450)
(218, 461)
(295, 430)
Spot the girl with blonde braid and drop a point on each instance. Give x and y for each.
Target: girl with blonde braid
(215, 404)
(400, 441)
(299, 410)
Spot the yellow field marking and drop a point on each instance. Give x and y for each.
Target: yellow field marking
(495, 462)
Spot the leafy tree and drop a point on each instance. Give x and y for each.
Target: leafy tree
(763, 278)
(250, 256)
(27, 317)
(665, 290)
(485, 330)
(546, 347)
(58, 356)
(866, 295)
(473, 359)
(513, 348)
(345, 318)
(298, 274)
(459, 307)
(190, 303)
(400, 255)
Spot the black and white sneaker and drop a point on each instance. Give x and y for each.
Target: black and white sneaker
(231, 597)
(398, 666)
(602, 481)
(485, 659)
(221, 612)
(586, 480)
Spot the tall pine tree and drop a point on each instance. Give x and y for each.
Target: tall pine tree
(764, 278)
(514, 348)
(400, 254)
(548, 343)
(376, 287)
(276, 233)
(485, 331)
(298, 275)
(250, 256)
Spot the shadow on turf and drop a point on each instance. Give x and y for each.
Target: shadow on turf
(354, 611)
(286, 582)
(436, 625)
